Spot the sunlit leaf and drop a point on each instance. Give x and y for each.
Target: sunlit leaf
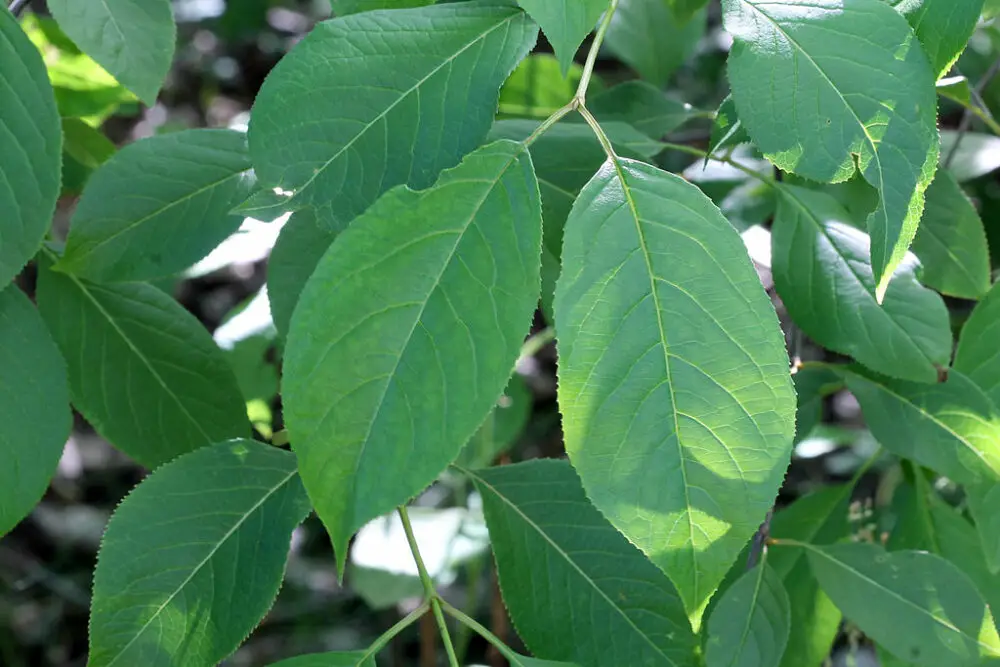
(942, 26)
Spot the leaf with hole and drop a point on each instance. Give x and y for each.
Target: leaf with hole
(374, 408)
(192, 559)
(823, 274)
(576, 589)
(158, 206)
(668, 343)
(413, 91)
(142, 370)
(870, 105)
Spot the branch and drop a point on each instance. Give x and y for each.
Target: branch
(963, 125)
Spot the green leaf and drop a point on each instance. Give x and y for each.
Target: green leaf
(345, 7)
(822, 272)
(643, 106)
(565, 23)
(30, 160)
(340, 659)
(871, 101)
(432, 293)
(142, 370)
(264, 205)
(951, 427)
(158, 206)
(984, 505)
(815, 619)
(677, 404)
(35, 419)
(500, 432)
(685, 9)
(410, 99)
(131, 39)
(951, 242)
(86, 144)
(537, 87)
(812, 386)
(976, 354)
(646, 36)
(575, 588)
(942, 26)
(192, 559)
(749, 627)
(977, 154)
(301, 244)
(727, 130)
(917, 605)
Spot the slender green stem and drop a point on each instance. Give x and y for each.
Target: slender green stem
(388, 635)
(550, 121)
(481, 630)
(691, 150)
(535, 343)
(431, 593)
(588, 67)
(599, 132)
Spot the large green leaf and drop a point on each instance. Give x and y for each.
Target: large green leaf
(976, 355)
(827, 85)
(815, 620)
(192, 559)
(371, 101)
(34, 407)
(942, 26)
(301, 244)
(32, 149)
(132, 39)
(917, 605)
(677, 403)
(576, 589)
(643, 106)
(431, 294)
(565, 23)
(951, 427)
(951, 242)
(142, 370)
(749, 627)
(158, 206)
(823, 274)
(648, 37)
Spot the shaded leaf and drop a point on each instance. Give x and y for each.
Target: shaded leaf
(575, 588)
(345, 7)
(35, 419)
(644, 107)
(749, 626)
(812, 386)
(917, 605)
(977, 154)
(374, 410)
(407, 62)
(822, 272)
(158, 206)
(685, 9)
(976, 354)
(942, 26)
(339, 659)
(677, 404)
(192, 559)
(537, 87)
(131, 39)
(815, 620)
(984, 505)
(565, 23)
(727, 130)
(85, 144)
(647, 36)
(301, 244)
(951, 242)
(951, 427)
(500, 431)
(871, 96)
(142, 370)
(30, 159)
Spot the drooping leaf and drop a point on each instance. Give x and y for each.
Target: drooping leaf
(339, 659)
(142, 370)
(131, 39)
(871, 98)
(565, 23)
(429, 78)
(951, 242)
(917, 605)
(977, 154)
(158, 206)
(749, 627)
(984, 505)
(951, 427)
(192, 559)
(35, 418)
(432, 294)
(30, 158)
(644, 107)
(727, 130)
(822, 272)
(301, 244)
(677, 404)
(576, 589)
(648, 37)
(537, 87)
(976, 354)
(942, 26)
(812, 386)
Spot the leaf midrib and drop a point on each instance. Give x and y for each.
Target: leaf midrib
(205, 560)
